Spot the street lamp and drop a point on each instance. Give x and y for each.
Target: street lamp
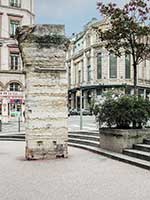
(79, 94)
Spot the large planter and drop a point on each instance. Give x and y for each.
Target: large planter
(118, 139)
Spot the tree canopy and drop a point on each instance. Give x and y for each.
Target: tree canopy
(128, 30)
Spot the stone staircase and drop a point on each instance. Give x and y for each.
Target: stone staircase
(90, 141)
(138, 156)
(140, 151)
(80, 138)
(12, 137)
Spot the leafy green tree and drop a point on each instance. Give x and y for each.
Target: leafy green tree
(128, 31)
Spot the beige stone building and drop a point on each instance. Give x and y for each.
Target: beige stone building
(13, 13)
(92, 70)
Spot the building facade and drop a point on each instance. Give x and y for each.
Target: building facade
(92, 70)
(13, 13)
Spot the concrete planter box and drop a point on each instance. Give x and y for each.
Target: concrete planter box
(118, 139)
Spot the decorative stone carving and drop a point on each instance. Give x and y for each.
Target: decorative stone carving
(43, 52)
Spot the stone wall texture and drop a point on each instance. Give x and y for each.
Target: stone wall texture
(117, 140)
(43, 49)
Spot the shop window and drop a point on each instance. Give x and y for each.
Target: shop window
(13, 26)
(15, 3)
(14, 61)
(128, 91)
(14, 87)
(141, 92)
(113, 66)
(148, 94)
(99, 66)
(127, 66)
(99, 92)
(0, 107)
(89, 97)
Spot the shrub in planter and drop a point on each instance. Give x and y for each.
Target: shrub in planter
(123, 112)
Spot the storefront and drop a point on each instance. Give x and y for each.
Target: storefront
(11, 105)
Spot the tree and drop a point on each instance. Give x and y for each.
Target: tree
(123, 112)
(128, 31)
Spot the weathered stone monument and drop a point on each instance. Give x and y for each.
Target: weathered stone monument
(43, 52)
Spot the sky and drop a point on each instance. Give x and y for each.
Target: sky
(74, 14)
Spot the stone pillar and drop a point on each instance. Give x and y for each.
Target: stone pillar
(43, 52)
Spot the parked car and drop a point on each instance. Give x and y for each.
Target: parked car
(77, 112)
(73, 112)
(86, 112)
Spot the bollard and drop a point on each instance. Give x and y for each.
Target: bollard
(18, 124)
(0, 125)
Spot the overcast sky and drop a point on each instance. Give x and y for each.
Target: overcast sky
(73, 13)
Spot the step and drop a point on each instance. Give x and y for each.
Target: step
(146, 141)
(12, 139)
(116, 156)
(84, 133)
(86, 142)
(12, 136)
(142, 147)
(86, 137)
(137, 154)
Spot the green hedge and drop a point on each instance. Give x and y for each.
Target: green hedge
(123, 112)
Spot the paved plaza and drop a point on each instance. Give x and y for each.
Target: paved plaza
(89, 124)
(83, 176)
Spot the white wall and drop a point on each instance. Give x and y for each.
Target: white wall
(25, 4)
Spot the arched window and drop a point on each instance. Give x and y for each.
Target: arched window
(15, 87)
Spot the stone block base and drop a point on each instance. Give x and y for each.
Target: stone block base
(61, 151)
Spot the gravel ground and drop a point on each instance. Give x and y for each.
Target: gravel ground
(83, 176)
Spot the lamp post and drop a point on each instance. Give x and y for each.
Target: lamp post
(79, 94)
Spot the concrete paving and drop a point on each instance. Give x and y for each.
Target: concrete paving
(83, 176)
(89, 124)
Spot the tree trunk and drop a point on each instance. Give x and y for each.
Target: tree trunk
(135, 78)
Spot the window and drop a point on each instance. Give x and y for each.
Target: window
(69, 75)
(88, 40)
(14, 61)
(99, 66)
(88, 70)
(13, 27)
(82, 67)
(112, 66)
(15, 3)
(99, 92)
(14, 87)
(127, 66)
(79, 76)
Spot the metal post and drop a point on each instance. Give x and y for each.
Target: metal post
(19, 124)
(0, 125)
(81, 116)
